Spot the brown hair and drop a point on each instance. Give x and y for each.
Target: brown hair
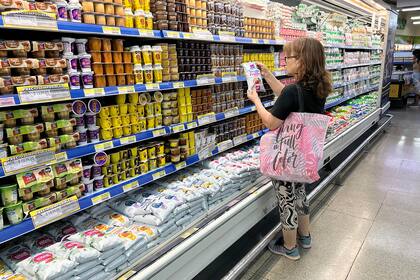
(310, 57)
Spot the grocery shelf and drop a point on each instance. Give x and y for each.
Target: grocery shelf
(77, 94)
(92, 148)
(342, 84)
(342, 66)
(403, 62)
(87, 201)
(348, 97)
(352, 47)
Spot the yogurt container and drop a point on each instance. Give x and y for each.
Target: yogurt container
(90, 119)
(81, 46)
(75, 11)
(14, 213)
(68, 44)
(75, 80)
(93, 133)
(62, 10)
(84, 61)
(9, 194)
(87, 79)
(72, 62)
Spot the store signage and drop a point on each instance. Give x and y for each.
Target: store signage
(30, 20)
(41, 93)
(54, 212)
(7, 101)
(18, 163)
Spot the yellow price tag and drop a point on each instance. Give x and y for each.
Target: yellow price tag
(191, 125)
(255, 41)
(255, 135)
(178, 128)
(94, 91)
(126, 89)
(101, 198)
(111, 30)
(61, 156)
(131, 186)
(128, 140)
(178, 84)
(267, 42)
(180, 165)
(152, 87)
(159, 174)
(104, 146)
(159, 132)
(146, 33)
(188, 35)
(173, 34)
(54, 212)
(187, 233)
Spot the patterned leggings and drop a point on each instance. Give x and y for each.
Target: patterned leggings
(292, 203)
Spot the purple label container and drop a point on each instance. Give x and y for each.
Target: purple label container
(81, 46)
(87, 79)
(74, 80)
(96, 171)
(62, 11)
(75, 13)
(98, 183)
(90, 119)
(87, 172)
(93, 133)
(84, 61)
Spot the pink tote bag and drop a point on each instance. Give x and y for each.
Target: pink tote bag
(293, 151)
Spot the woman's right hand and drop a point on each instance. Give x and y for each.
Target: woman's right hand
(264, 70)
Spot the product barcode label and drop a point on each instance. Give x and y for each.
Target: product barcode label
(224, 145)
(40, 93)
(191, 125)
(159, 174)
(126, 89)
(90, 92)
(131, 186)
(206, 119)
(111, 30)
(180, 165)
(128, 140)
(231, 113)
(18, 163)
(104, 146)
(101, 198)
(54, 212)
(159, 132)
(178, 128)
(178, 84)
(239, 139)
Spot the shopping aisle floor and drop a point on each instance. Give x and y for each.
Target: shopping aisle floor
(370, 227)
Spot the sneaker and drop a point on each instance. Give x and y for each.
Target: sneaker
(304, 241)
(278, 249)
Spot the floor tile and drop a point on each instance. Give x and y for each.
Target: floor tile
(340, 225)
(404, 201)
(355, 207)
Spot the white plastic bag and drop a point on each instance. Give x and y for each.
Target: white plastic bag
(112, 218)
(96, 239)
(14, 254)
(75, 251)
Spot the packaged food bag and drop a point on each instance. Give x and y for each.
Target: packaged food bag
(4, 270)
(14, 254)
(253, 76)
(74, 251)
(112, 218)
(131, 207)
(61, 229)
(46, 266)
(96, 239)
(37, 242)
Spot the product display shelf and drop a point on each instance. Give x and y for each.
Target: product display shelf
(92, 148)
(333, 67)
(14, 100)
(87, 201)
(343, 84)
(348, 97)
(353, 47)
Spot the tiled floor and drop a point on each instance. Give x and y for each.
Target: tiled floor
(370, 227)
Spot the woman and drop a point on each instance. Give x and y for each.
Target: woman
(416, 74)
(305, 60)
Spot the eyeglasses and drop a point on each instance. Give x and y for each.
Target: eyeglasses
(287, 57)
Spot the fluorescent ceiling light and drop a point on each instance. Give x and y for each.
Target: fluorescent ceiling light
(411, 9)
(416, 22)
(418, 17)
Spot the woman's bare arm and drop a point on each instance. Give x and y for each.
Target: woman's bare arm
(272, 81)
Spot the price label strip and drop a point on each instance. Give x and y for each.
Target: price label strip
(54, 212)
(206, 119)
(173, 34)
(159, 175)
(231, 113)
(7, 101)
(146, 33)
(180, 165)
(126, 89)
(255, 135)
(203, 154)
(89, 92)
(152, 87)
(30, 19)
(41, 93)
(61, 157)
(191, 125)
(178, 84)
(178, 128)
(104, 146)
(101, 198)
(113, 30)
(159, 132)
(128, 140)
(21, 162)
(131, 186)
(224, 145)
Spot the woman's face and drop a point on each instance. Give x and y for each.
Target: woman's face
(291, 64)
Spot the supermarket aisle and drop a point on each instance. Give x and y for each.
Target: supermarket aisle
(370, 228)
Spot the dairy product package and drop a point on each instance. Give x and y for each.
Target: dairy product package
(253, 76)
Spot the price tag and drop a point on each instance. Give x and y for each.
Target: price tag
(224, 145)
(128, 140)
(178, 128)
(178, 84)
(206, 119)
(253, 108)
(54, 212)
(255, 135)
(7, 101)
(111, 30)
(158, 132)
(203, 154)
(18, 163)
(180, 165)
(231, 113)
(239, 139)
(152, 87)
(101, 198)
(61, 157)
(131, 186)
(104, 146)
(227, 38)
(188, 233)
(204, 36)
(230, 79)
(40, 93)
(126, 89)
(146, 33)
(255, 41)
(29, 19)
(203, 81)
(267, 42)
(186, 35)
(159, 174)
(173, 34)
(191, 125)
(94, 92)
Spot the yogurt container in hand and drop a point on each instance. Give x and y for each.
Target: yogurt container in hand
(9, 194)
